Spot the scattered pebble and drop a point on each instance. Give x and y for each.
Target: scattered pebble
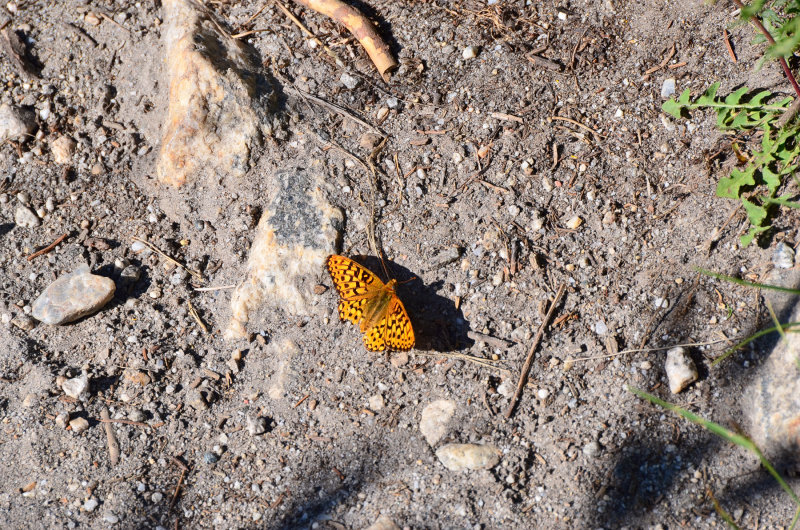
(90, 504)
(783, 257)
(77, 386)
(506, 389)
(592, 449)
(63, 148)
(196, 399)
(470, 52)
(26, 218)
(23, 322)
(461, 457)
(543, 393)
(376, 403)
(210, 458)
(256, 425)
(383, 523)
(78, 425)
(574, 223)
(668, 88)
(62, 420)
(73, 296)
(435, 417)
(349, 81)
(680, 368)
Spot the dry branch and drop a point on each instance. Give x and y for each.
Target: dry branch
(361, 28)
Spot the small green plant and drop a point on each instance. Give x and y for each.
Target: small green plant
(761, 185)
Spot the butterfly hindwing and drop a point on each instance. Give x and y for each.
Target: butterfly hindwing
(399, 333)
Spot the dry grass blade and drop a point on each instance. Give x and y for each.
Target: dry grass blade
(169, 258)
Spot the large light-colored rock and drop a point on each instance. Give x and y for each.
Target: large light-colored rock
(772, 401)
(217, 103)
(297, 231)
(73, 296)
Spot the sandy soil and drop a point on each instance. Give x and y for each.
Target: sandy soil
(489, 159)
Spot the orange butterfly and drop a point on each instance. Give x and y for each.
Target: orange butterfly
(373, 305)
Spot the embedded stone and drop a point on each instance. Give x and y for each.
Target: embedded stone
(218, 105)
(73, 296)
(468, 457)
(435, 419)
(297, 232)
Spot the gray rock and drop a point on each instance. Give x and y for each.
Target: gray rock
(680, 368)
(73, 296)
(435, 419)
(297, 232)
(26, 218)
(463, 457)
(16, 123)
(772, 401)
(91, 504)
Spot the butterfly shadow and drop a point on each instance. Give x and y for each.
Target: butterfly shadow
(438, 324)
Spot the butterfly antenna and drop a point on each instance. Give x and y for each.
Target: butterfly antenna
(408, 280)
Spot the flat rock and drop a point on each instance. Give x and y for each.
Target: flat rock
(297, 231)
(435, 419)
(218, 105)
(463, 457)
(73, 296)
(16, 122)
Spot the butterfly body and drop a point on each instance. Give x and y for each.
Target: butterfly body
(372, 305)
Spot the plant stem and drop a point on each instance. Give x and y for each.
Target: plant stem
(757, 23)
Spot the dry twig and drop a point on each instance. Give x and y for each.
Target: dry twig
(526, 368)
(49, 247)
(111, 437)
(172, 260)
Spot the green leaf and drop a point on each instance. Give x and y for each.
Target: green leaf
(673, 108)
(730, 187)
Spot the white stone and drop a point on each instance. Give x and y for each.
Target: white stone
(668, 88)
(470, 52)
(680, 368)
(77, 386)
